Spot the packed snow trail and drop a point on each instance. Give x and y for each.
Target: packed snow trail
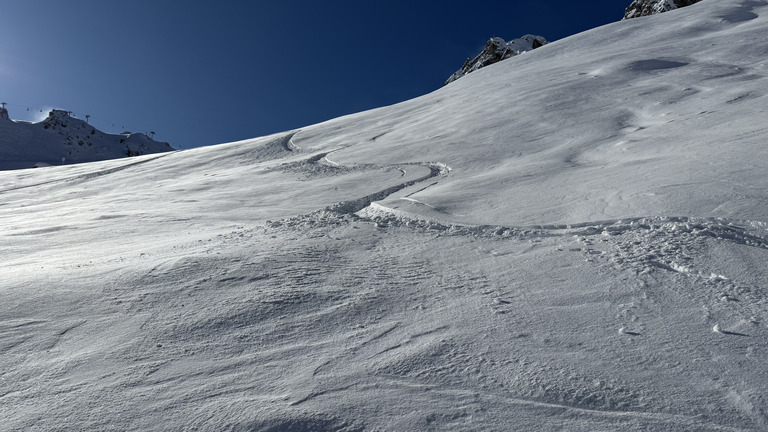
(123, 164)
(352, 206)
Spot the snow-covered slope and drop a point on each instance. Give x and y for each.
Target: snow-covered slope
(640, 8)
(584, 251)
(496, 50)
(61, 138)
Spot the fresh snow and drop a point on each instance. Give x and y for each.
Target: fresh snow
(573, 239)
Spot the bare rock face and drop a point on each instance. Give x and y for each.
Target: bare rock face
(640, 8)
(496, 50)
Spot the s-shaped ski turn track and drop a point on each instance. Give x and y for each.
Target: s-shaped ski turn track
(436, 169)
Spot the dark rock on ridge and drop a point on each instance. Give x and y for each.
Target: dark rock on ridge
(640, 8)
(496, 50)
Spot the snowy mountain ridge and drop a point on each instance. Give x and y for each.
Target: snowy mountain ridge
(63, 139)
(496, 50)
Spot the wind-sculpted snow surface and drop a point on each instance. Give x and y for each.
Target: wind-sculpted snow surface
(584, 254)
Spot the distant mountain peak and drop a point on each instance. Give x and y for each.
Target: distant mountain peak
(60, 118)
(496, 50)
(59, 113)
(62, 138)
(640, 8)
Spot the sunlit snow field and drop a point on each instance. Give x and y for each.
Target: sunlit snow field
(573, 239)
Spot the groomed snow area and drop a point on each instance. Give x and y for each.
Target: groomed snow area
(572, 239)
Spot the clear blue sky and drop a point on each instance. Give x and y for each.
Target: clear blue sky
(200, 73)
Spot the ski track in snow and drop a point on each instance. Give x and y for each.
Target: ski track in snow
(83, 177)
(316, 285)
(641, 246)
(644, 248)
(308, 282)
(399, 355)
(320, 165)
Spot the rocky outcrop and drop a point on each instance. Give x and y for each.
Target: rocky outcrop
(640, 8)
(496, 50)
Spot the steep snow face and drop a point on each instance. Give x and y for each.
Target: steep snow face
(605, 123)
(640, 8)
(575, 241)
(496, 50)
(62, 139)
